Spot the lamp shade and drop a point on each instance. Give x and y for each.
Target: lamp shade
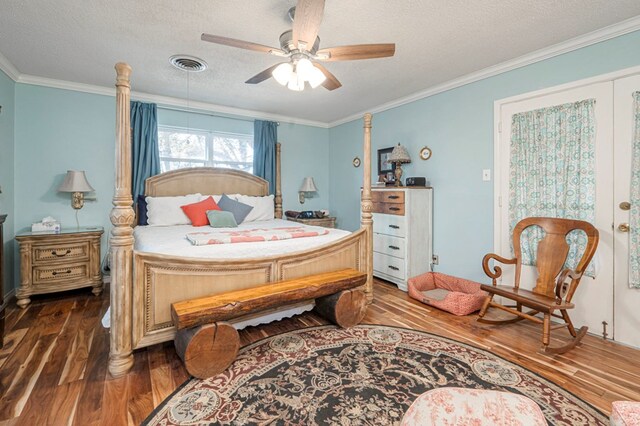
(308, 185)
(75, 181)
(399, 155)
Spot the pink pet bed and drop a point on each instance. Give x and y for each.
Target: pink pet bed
(451, 294)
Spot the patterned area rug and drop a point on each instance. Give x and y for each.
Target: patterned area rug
(366, 375)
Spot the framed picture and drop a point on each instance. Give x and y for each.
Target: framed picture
(384, 166)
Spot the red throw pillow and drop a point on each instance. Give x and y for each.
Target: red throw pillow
(197, 212)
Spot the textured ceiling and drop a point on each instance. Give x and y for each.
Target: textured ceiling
(437, 41)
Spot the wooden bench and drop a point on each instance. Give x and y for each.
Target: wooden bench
(207, 344)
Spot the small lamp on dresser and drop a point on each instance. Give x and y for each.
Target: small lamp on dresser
(400, 156)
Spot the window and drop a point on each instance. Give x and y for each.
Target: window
(181, 148)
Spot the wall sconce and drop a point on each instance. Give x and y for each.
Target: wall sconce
(308, 186)
(76, 183)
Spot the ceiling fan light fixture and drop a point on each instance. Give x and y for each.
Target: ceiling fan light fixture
(283, 73)
(295, 83)
(304, 68)
(316, 78)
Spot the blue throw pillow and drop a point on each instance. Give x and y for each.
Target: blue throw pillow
(239, 210)
(221, 219)
(142, 210)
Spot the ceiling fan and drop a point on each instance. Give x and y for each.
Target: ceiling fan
(300, 47)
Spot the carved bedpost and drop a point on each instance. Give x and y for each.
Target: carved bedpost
(366, 206)
(278, 195)
(121, 240)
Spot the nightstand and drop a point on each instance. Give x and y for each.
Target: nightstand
(57, 262)
(327, 222)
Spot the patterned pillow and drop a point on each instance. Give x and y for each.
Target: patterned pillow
(238, 209)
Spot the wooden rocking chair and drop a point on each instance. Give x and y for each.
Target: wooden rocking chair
(552, 291)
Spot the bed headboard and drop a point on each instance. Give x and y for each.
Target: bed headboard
(206, 181)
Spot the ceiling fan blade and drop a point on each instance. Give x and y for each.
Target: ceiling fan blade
(357, 51)
(306, 22)
(262, 76)
(239, 43)
(331, 83)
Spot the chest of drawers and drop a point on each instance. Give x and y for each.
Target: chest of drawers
(57, 262)
(402, 233)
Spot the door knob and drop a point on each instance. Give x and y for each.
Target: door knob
(623, 227)
(625, 205)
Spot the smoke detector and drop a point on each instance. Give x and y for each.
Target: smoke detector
(188, 63)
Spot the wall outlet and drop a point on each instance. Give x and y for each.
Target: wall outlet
(435, 259)
(486, 175)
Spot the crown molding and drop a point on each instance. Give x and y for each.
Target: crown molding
(193, 106)
(8, 68)
(603, 34)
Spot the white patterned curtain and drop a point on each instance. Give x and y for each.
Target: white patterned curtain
(634, 222)
(552, 172)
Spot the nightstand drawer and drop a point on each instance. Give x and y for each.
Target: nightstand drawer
(389, 265)
(44, 274)
(388, 197)
(386, 244)
(61, 252)
(389, 224)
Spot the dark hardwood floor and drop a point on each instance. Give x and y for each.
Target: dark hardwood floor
(53, 367)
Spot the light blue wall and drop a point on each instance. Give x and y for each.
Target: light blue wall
(458, 126)
(57, 130)
(7, 102)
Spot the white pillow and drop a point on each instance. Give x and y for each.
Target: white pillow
(166, 211)
(263, 207)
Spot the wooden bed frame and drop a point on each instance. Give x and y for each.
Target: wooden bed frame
(143, 285)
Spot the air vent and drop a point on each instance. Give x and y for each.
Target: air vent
(188, 63)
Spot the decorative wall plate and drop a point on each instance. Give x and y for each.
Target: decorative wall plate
(425, 153)
(356, 162)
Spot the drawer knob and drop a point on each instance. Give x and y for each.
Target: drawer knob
(394, 208)
(393, 197)
(394, 268)
(394, 227)
(394, 247)
(55, 253)
(68, 271)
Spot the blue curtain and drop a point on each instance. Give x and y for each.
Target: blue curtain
(265, 136)
(144, 145)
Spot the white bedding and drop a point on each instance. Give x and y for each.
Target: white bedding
(171, 240)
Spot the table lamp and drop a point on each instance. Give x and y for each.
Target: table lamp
(399, 155)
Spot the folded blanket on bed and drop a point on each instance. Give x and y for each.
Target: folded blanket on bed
(253, 235)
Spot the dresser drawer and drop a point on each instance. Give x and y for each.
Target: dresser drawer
(386, 244)
(396, 197)
(389, 265)
(62, 252)
(50, 274)
(389, 224)
(389, 208)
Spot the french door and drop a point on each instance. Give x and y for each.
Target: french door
(626, 300)
(594, 298)
(605, 303)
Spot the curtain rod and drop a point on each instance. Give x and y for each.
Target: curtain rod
(201, 112)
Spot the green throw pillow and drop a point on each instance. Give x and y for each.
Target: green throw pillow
(221, 219)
